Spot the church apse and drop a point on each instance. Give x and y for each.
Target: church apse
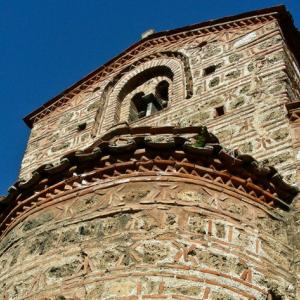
(171, 172)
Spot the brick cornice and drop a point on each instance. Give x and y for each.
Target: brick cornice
(125, 153)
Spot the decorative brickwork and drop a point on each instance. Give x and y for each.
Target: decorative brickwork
(124, 194)
(252, 73)
(195, 221)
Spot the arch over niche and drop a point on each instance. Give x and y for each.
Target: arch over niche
(177, 62)
(143, 76)
(142, 94)
(147, 99)
(161, 90)
(170, 69)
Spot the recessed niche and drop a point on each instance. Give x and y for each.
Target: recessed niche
(209, 70)
(273, 296)
(219, 111)
(81, 126)
(145, 104)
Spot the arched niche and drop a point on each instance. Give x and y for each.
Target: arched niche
(169, 70)
(152, 96)
(109, 112)
(146, 93)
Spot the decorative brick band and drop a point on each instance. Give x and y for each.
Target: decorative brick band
(130, 152)
(164, 40)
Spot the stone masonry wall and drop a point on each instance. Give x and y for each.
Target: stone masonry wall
(148, 237)
(254, 77)
(172, 237)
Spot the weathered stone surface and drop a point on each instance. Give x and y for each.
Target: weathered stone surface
(37, 221)
(189, 240)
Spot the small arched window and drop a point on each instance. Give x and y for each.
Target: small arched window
(138, 107)
(145, 104)
(162, 90)
(146, 93)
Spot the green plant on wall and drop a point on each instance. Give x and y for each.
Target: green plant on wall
(201, 138)
(200, 141)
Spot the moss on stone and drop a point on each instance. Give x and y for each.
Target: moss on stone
(64, 270)
(86, 202)
(235, 208)
(8, 240)
(185, 290)
(279, 159)
(193, 196)
(233, 74)
(216, 101)
(97, 291)
(211, 50)
(246, 147)
(60, 147)
(214, 82)
(245, 89)
(279, 135)
(153, 252)
(275, 114)
(66, 117)
(38, 221)
(197, 224)
(85, 137)
(220, 296)
(276, 88)
(198, 118)
(235, 57)
(43, 243)
(14, 254)
(109, 257)
(270, 42)
(250, 67)
(70, 236)
(224, 134)
(93, 105)
(237, 102)
(134, 196)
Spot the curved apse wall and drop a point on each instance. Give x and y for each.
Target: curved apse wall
(126, 220)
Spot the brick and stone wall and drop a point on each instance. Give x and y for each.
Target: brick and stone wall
(148, 237)
(254, 76)
(160, 217)
(165, 216)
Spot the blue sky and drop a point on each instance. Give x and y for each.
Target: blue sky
(47, 45)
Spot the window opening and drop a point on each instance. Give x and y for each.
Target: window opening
(81, 126)
(138, 107)
(96, 89)
(273, 296)
(209, 70)
(220, 111)
(144, 105)
(162, 90)
(202, 44)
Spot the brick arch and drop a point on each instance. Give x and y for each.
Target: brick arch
(143, 76)
(177, 62)
(160, 67)
(174, 56)
(127, 107)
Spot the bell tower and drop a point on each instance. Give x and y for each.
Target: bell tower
(171, 172)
